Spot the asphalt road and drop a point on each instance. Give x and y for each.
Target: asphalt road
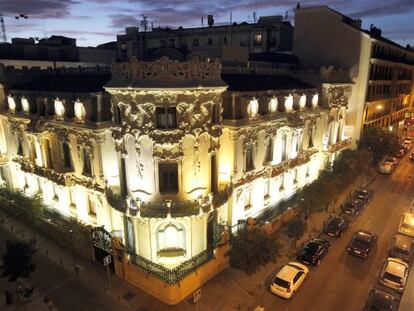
(342, 282)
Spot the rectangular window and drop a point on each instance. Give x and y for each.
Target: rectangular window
(267, 188)
(87, 165)
(91, 206)
(257, 39)
(249, 157)
(49, 154)
(162, 43)
(67, 160)
(166, 118)
(281, 187)
(247, 198)
(171, 43)
(195, 42)
(210, 41)
(225, 40)
(168, 177)
(269, 150)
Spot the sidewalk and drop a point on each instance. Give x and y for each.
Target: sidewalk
(91, 275)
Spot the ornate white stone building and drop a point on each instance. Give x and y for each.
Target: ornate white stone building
(186, 152)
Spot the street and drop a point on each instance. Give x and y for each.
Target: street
(342, 282)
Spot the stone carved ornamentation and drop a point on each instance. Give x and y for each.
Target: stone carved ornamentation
(338, 95)
(167, 69)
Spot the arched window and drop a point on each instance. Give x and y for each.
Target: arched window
(302, 102)
(171, 240)
(215, 117)
(59, 109)
(11, 103)
(25, 104)
(80, 111)
(253, 108)
(315, 100)
(87, 165)
(273, 105)
(289, 103)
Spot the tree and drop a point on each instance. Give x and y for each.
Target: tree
(379, 141)
(296, 228)
(252, 249)
(18, 260)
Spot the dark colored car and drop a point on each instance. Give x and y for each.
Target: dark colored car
(361, 243)
(380, 300)
(313, 251)
(402, 247)
(336, 226)
(364, 195)
(353, 206)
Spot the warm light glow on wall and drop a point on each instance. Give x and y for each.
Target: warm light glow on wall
(253, 108)
(289, 103)
(273, 105)
(80, 112)
(11, 103)
(59, 109)
(302, 102)
(224, 174)
(315, 100)
(25, 104)
(378, 107)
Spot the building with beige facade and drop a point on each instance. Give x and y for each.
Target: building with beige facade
(381, 69)
(167, 156)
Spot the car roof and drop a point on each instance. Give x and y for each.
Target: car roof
(408, 218)
(402, 242)
(363, 235)
(395, 266)
(288, 272)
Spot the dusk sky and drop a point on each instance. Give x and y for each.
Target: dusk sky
(97, 21)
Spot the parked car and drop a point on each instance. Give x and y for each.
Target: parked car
(380, 300)
(392, 160)
(361, 243)
(411, 156)
(407, 225)
(394, 274)
(402, 247)
(352, 206)
(363, 194)
(288, 280)
(386, 167)
(314, 251)
(336, 226)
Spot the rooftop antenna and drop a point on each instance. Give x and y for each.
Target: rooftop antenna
(144, 22)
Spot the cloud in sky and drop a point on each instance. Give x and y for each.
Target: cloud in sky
(97, 21)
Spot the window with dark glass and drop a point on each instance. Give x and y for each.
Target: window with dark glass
(49, 155)
(210, 41)
(19, 147)
(269, 150)
(171, 43)
(67, 160)
(166, 117)
(162, 43)
(87, 165)
(168, 177)
(249, 157)
(224, 40)
(195, 42)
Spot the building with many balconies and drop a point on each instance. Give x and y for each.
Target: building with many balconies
(167, 156)
(382, 70)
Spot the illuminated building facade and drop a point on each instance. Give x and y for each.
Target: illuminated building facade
(169, 154)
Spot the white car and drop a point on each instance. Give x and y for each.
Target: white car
(289, 279)
(407, 225)
(394, 274)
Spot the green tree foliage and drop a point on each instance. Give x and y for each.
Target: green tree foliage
(18, 260)
(252, 249)
(28, 207)
(379, 141)
(296, 228)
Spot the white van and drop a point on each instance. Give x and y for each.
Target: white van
(407, 225)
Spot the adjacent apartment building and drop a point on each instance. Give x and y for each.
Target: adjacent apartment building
(382, 70)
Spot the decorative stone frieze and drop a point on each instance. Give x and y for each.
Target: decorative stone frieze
(337, 95)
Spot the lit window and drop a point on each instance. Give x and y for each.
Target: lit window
(11, 103)
(273, 105)
(315, 100)
(302, 102)
(171, 240)
(289, 103)
(253, 107)
(59, 109)
(168, 177)
(25, 104)
(80, 111)
(258, 39)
